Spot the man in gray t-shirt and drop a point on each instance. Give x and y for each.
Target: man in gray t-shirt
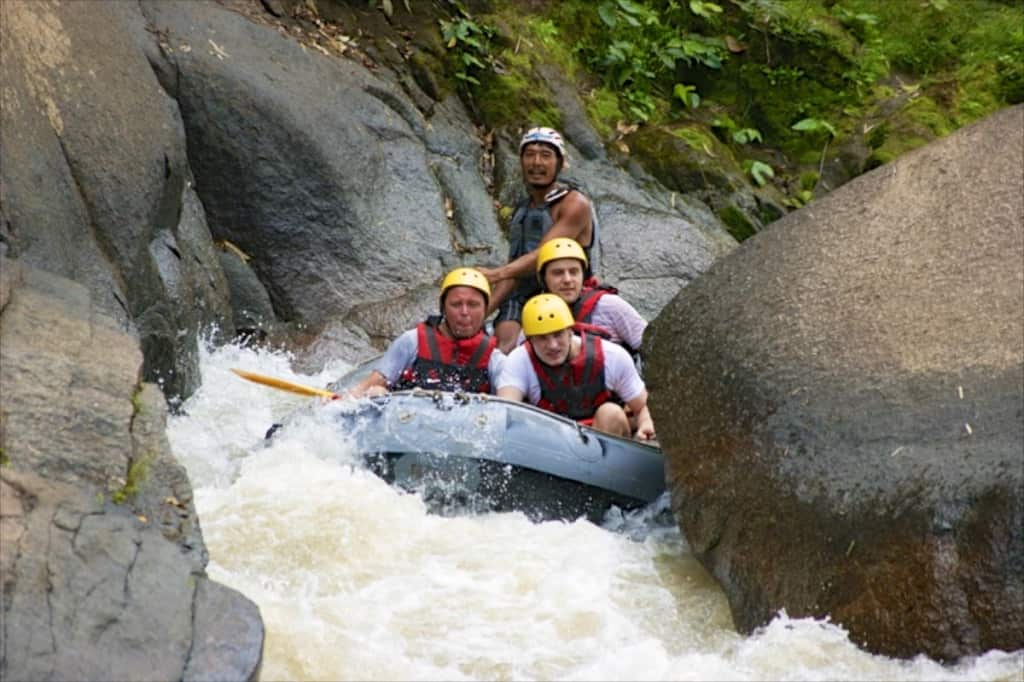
(450, 352)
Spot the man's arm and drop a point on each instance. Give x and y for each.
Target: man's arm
(511, 393)
(644, 423)
(499, 292)
(374, 380)
(399, 355)
(622, 378)
(513, 383)
(572, 220)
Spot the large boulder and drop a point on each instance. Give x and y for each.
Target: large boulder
(321, 171)
(96, 182)
(840, 401)
(101, 555)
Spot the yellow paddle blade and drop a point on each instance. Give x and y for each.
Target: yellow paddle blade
(283, 385)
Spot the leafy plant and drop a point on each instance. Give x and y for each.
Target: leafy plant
(746, 136)
(638, 47)
(546, 31)
(470, 43)
(640, 104)
(813, 125)
(687, 94)
(760, 171)
(801, 198)
(816, 125)
(707, 10)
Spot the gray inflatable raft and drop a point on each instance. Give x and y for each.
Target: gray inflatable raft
(483, 453)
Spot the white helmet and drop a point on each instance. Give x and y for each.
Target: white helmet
(547, 136)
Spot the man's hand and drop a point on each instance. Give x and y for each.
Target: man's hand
(645, 431)
(493, 275)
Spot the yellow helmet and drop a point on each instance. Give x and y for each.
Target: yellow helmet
(546, 313)
(466, 277)
(562, 247)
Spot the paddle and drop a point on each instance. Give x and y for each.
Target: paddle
(283, 385)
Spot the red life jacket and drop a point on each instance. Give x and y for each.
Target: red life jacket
(583, 310)
(576, 389)
(448, 364)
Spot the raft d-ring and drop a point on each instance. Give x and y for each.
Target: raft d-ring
(583, 436)
(405, 417)
(481, 420)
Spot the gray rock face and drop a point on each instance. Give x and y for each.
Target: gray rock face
(353, 203)
(96, 181)
(311, 165)
(841, 404)
(352, 190)
(101, 555)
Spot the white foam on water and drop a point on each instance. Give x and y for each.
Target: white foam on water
(356, 580)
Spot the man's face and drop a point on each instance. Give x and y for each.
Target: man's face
(464, 310)
(564, 277)
(552, 349)
(540, 164)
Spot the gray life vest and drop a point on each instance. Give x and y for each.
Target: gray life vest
(530, 223)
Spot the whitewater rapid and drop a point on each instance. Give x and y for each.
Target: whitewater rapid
(355, 580)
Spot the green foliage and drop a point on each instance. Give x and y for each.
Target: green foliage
(707, 10)
(747, 136)
(546, 32)
(760, 171)
(5, 461)
(687, 94)
(809, 180)
(470, 44)
(814, 125)
(639, 49)
(801, 198)
(922, 38)
(797, 76)
(1009, 60)
(694, 138)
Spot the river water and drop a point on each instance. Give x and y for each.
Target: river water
(358, 581)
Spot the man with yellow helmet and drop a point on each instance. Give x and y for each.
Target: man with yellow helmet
(553, 209)
(576, 376)
(561, 264)
(448, 352)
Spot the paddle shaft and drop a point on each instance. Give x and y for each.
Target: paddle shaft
(284, 385)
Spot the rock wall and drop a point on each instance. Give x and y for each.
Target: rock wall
(101, 555)
(96, 183)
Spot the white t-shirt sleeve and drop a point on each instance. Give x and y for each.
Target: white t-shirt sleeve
(494, 367)
(399, 355)
(620, 373)
(518, 373)
(615, 314)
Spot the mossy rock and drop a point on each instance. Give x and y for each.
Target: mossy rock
(919, 122)
(736, 222)
(686, 157)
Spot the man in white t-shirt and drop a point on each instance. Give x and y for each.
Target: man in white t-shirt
(561, 265)
(450, 352)
(579, 377)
